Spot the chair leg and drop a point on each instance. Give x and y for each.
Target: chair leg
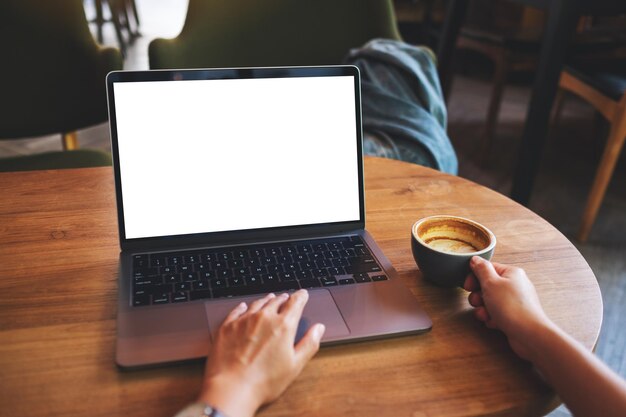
(99, 20)
(609, 159)
(117, 24)
(134, 9)
(70, 141)
(558, 107)
(499, 82)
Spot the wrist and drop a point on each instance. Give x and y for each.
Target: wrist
(231, 396)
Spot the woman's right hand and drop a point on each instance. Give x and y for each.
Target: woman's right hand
(505, 299)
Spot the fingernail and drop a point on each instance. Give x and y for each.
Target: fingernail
(476, 259)
(271, 295)
(319, 330)
(284, 295)
(242, 306)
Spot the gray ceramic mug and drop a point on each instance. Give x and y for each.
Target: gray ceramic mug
(443, 246)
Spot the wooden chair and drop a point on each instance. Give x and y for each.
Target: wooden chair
(238, 33)
(604, 89)
(52, 76)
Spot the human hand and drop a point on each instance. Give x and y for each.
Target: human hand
(253, 359)
(504, 298)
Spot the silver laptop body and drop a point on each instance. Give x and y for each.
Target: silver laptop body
(231, 183)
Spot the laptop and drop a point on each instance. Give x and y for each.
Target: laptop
(233, 183)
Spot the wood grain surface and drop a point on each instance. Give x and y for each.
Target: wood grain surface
(58, 288)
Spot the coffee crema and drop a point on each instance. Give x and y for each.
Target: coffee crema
(453, 236)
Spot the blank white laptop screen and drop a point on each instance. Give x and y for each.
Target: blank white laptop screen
(200, 156)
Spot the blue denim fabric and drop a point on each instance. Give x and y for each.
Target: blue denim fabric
(404, 114)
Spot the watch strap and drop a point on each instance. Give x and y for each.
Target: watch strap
(200, 409)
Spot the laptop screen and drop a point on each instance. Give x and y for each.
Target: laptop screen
(217, 155)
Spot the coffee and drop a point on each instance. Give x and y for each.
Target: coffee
(453, 235)
(443, 245)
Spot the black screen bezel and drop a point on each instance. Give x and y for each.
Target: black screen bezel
(235, 236)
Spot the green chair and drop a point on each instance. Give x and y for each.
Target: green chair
(80, 158)
(52, 76)
(237, 33)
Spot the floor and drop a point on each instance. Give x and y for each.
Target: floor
(567, 169)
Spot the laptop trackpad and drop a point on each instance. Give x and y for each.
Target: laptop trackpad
(320, 308)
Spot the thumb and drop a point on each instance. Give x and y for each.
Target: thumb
(309, 344)
(483, 269)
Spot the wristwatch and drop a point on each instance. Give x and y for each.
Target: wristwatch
(199, 409)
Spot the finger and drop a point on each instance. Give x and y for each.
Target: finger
(236, 313)
(293, 308)
(483, 270)
(275, 303)
(258, 304)
(481, 314)
(501, 269)
(476, 299)
(309, 344)
(471, 283)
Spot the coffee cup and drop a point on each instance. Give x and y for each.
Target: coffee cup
(443, 246)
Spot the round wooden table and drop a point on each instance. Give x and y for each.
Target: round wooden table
(58, 316)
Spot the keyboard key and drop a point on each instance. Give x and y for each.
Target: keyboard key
(304, 248)
(277, 287)
(182, 286)
(190, 276)
(218, 283)
(303, 275)
(185, 268)
(235, 263)
(319, 247)
(225, 256)
(320, 272)
(166, 270)
(240, 272)
(379, 278)
(145, 282)
(310, 283)
(240, 254)
(140, 261)
(328, 281)
(346, 281)
(201, 285)
(172, 278)
(287, 276)
(161, 289)
(207, 274)
(254, 280)
(146, 272)
(323, 263)
(161, 298)
(273, 252)
(236, 282)
(201, 267)
(141, 300)
(337, 271)
(363, 277)
(259, 270)
(157, 261)
(191, 259)
(275, 268)
(269, 278)
(224, 273)
(199, 294)
(180, 296)
(174, 260)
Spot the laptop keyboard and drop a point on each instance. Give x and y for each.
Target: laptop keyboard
(174, 277)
